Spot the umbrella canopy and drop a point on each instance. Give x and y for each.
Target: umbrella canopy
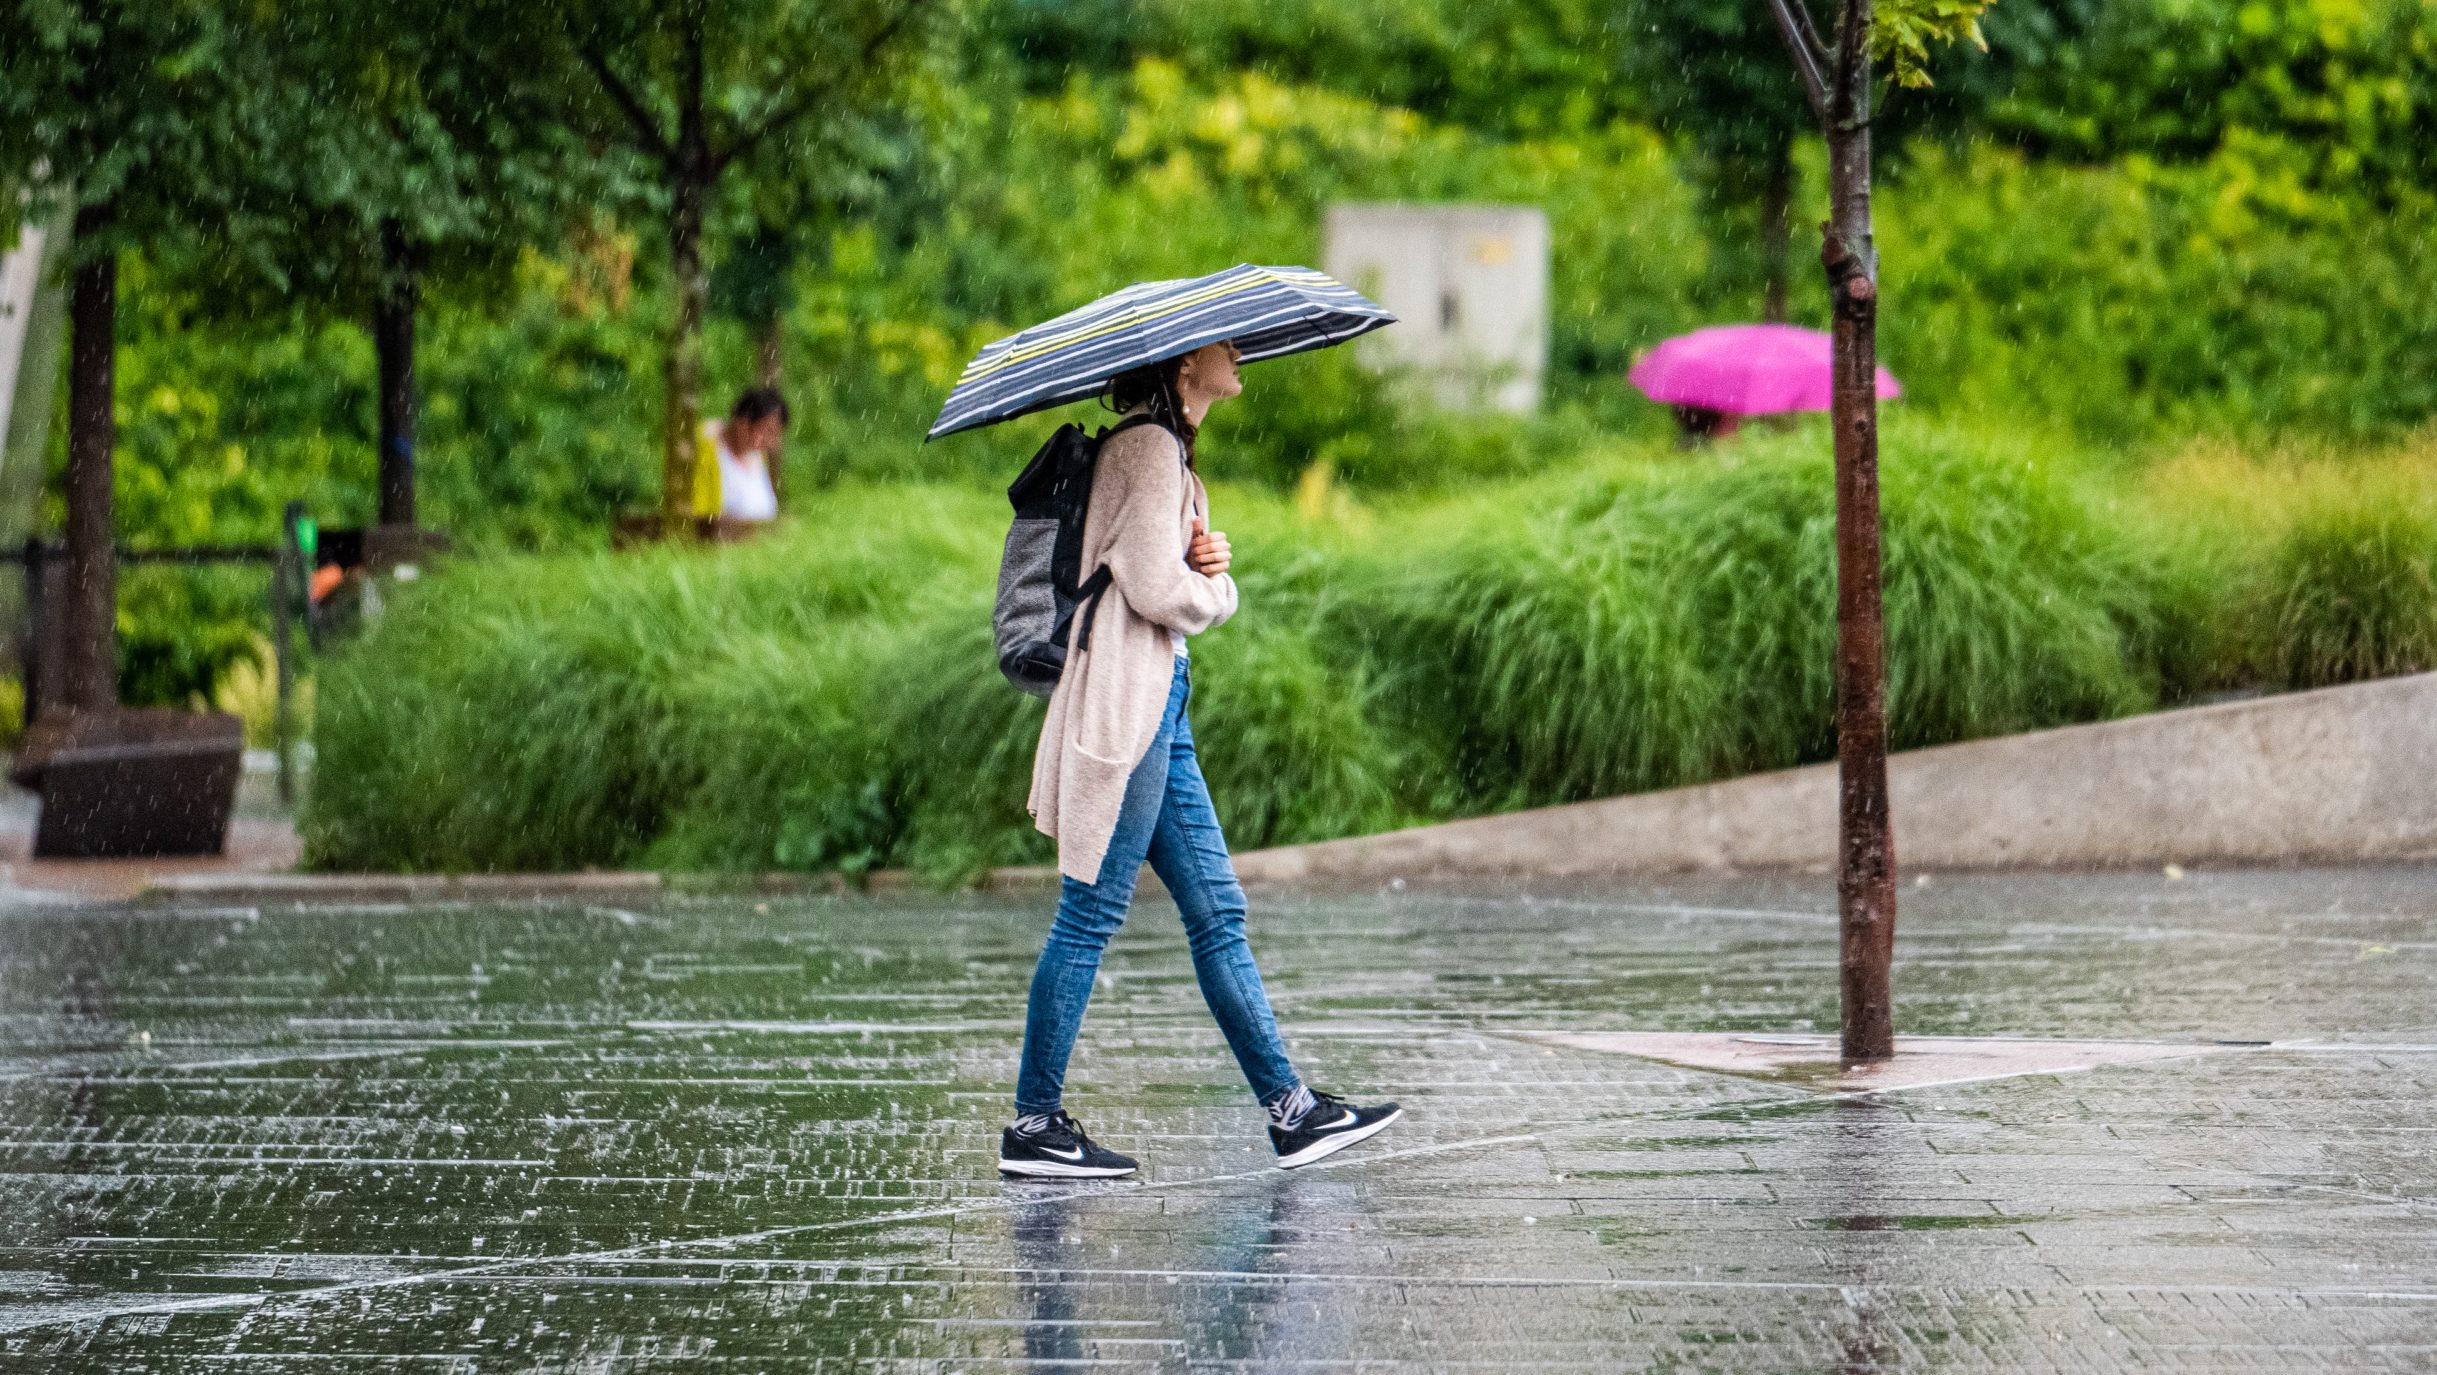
(1267, 311)
(1745, 370)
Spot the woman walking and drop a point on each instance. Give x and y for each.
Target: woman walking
(1116, 781)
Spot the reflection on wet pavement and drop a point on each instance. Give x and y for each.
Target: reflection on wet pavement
(757, 1134)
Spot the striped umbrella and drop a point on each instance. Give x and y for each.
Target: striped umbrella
(1267, 311)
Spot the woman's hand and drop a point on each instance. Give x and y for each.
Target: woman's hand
(1208, 553)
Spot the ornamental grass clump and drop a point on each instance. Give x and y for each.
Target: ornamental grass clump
(2303, 566)
(825, 698)
(488, 726)
(1665, 625)
(2352, 594)
(557, 712)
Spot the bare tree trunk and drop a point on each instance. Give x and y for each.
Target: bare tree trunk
(393, 340)
(766, 353)
(766, 374)
(682, 375)
(1865, 881)
(1836, 82)
(1776, 233)
(690, 176)
(88, 676)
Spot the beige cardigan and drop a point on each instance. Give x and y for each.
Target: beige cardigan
(1107, 705)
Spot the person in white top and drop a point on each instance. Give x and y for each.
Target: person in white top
(745, 444)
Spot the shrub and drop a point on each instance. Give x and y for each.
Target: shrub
(2353, 597)
(825, 698)
(2296, 567)
(1666, 626)
(551, 712)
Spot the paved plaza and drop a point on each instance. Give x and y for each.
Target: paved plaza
(752, 1134)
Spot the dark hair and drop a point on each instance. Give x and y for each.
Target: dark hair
(755, 404)
(1154, 384)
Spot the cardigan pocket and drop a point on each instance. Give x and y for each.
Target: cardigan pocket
(1112, 760)
(1107, 751)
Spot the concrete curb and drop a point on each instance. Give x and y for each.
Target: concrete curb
(260, 890)
(300, 889)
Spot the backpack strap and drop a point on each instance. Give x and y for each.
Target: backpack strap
(1087, 596)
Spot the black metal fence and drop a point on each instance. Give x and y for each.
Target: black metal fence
(289, 564)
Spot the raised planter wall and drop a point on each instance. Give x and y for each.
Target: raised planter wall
(2341, 774)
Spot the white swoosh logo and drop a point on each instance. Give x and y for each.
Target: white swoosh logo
(1075, 1154)
(1340, 1124)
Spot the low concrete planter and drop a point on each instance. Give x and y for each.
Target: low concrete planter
(2342, 775)
(132, 784)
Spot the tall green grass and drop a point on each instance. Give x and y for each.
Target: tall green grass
(1675, 621)
(825, 699)
(2296, 569)
(721, 708)
(2354, 596)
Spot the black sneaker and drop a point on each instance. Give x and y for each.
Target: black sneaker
(1332, 1125)
(1059, 1151)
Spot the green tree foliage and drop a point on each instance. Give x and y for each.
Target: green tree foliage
(152, 122)
(2315, 100)
(1713, 73)
(1532, 69)
(2126, 289)
(677, 97)
(153, 110)
(367, 125)
(1905, 33)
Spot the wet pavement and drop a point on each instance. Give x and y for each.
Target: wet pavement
(757, 1134)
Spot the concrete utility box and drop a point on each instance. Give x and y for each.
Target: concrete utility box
(1469, 285)
(33, 318)
(33, 321)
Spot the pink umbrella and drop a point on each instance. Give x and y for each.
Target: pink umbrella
(1744, 370)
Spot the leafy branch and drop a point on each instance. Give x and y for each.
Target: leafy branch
(1905, 29)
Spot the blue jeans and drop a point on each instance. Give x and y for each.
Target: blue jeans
(1167, 818)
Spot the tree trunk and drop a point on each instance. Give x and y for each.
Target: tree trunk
(766, 352)
(683, 369)
(88, 670)
(393, 340)
(1776, 232)
(690, 171)
(1865, 883)
(766, 374)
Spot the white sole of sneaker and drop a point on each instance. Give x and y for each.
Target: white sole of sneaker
(1050, 1169)
(1327, 1146)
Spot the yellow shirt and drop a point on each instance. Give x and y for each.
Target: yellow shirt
(706, 473)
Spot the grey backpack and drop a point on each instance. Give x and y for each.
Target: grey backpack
(1040, 575)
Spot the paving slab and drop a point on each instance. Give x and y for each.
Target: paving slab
(755, 1133)
(1816, 1063)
